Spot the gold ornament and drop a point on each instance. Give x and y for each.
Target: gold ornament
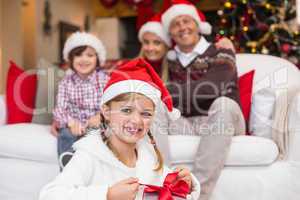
(228, 4)
(245, 28)
(264, 50)
(268, 6)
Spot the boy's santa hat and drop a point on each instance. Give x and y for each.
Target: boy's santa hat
(78, 39)
(138, 76)
(154, 26)
(184, 7)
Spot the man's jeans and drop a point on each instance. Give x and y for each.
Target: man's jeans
(224, 120)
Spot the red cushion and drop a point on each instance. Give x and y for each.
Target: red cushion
(245, 85)
(20, 94)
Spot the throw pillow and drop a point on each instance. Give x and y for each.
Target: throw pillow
(260, 122)
(49, 76)
(245, 86)
(20, 94)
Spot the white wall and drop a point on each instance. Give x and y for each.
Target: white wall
(108, 30)
(29, 34)
(11, 36)
(71, 11)
(23, 40)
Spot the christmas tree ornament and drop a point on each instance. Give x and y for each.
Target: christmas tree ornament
(264, 26)
(228, 4)
(220, 12)
(108, 3)
(286, 48)
(265, 50)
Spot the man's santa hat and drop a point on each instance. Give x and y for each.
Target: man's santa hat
(78, 39)
(154, 26)
(138, 76)
(184, 7)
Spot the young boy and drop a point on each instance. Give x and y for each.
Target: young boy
(79, 94)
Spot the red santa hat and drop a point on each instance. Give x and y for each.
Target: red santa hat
(154, 26)
(138, 76)
(184, 7)
(78, 39)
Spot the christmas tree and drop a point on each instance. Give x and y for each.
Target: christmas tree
(261, 26)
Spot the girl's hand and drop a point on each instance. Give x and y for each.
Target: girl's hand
(125, 189)
(185, 175)
(94, 121)
(225, 43)
(76, 128)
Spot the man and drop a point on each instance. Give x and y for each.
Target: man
(203, 85)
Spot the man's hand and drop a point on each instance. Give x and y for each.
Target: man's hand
(225, 43)
(76, 128)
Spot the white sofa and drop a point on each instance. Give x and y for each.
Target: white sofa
(28, 158)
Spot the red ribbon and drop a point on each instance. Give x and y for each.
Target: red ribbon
(171, 186)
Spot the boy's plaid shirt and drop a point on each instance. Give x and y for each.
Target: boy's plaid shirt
(79, 99)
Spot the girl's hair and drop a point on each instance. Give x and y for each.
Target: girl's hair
(77, 52)
(160, 160)
(165, 70)
(126, 97)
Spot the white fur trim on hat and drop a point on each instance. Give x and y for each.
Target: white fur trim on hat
(137, 86)
(184, 9)
(156, 28)
(205, 28)
(84, 39)
(171, 55)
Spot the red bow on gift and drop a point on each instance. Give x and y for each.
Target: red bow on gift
(170, 187)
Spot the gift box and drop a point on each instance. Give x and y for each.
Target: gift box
(172, 189)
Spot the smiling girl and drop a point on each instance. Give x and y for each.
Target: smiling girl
(112, 162)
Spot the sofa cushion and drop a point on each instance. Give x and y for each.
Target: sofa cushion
(244, 150)
(20, 94)
(263, 102)
(28, 142)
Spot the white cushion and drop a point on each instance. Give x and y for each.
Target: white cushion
(28, 142)
(23, 179)
(2, 110)
(244, 150)
(263, 102)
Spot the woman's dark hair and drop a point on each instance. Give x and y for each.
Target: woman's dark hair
(77, 52)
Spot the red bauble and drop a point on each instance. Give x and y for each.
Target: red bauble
(108, 3)
(218, 37)
(132, 2)
(262, 26)
(286, 48)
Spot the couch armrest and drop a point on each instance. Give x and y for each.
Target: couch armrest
(2, 110)
(294, 130)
